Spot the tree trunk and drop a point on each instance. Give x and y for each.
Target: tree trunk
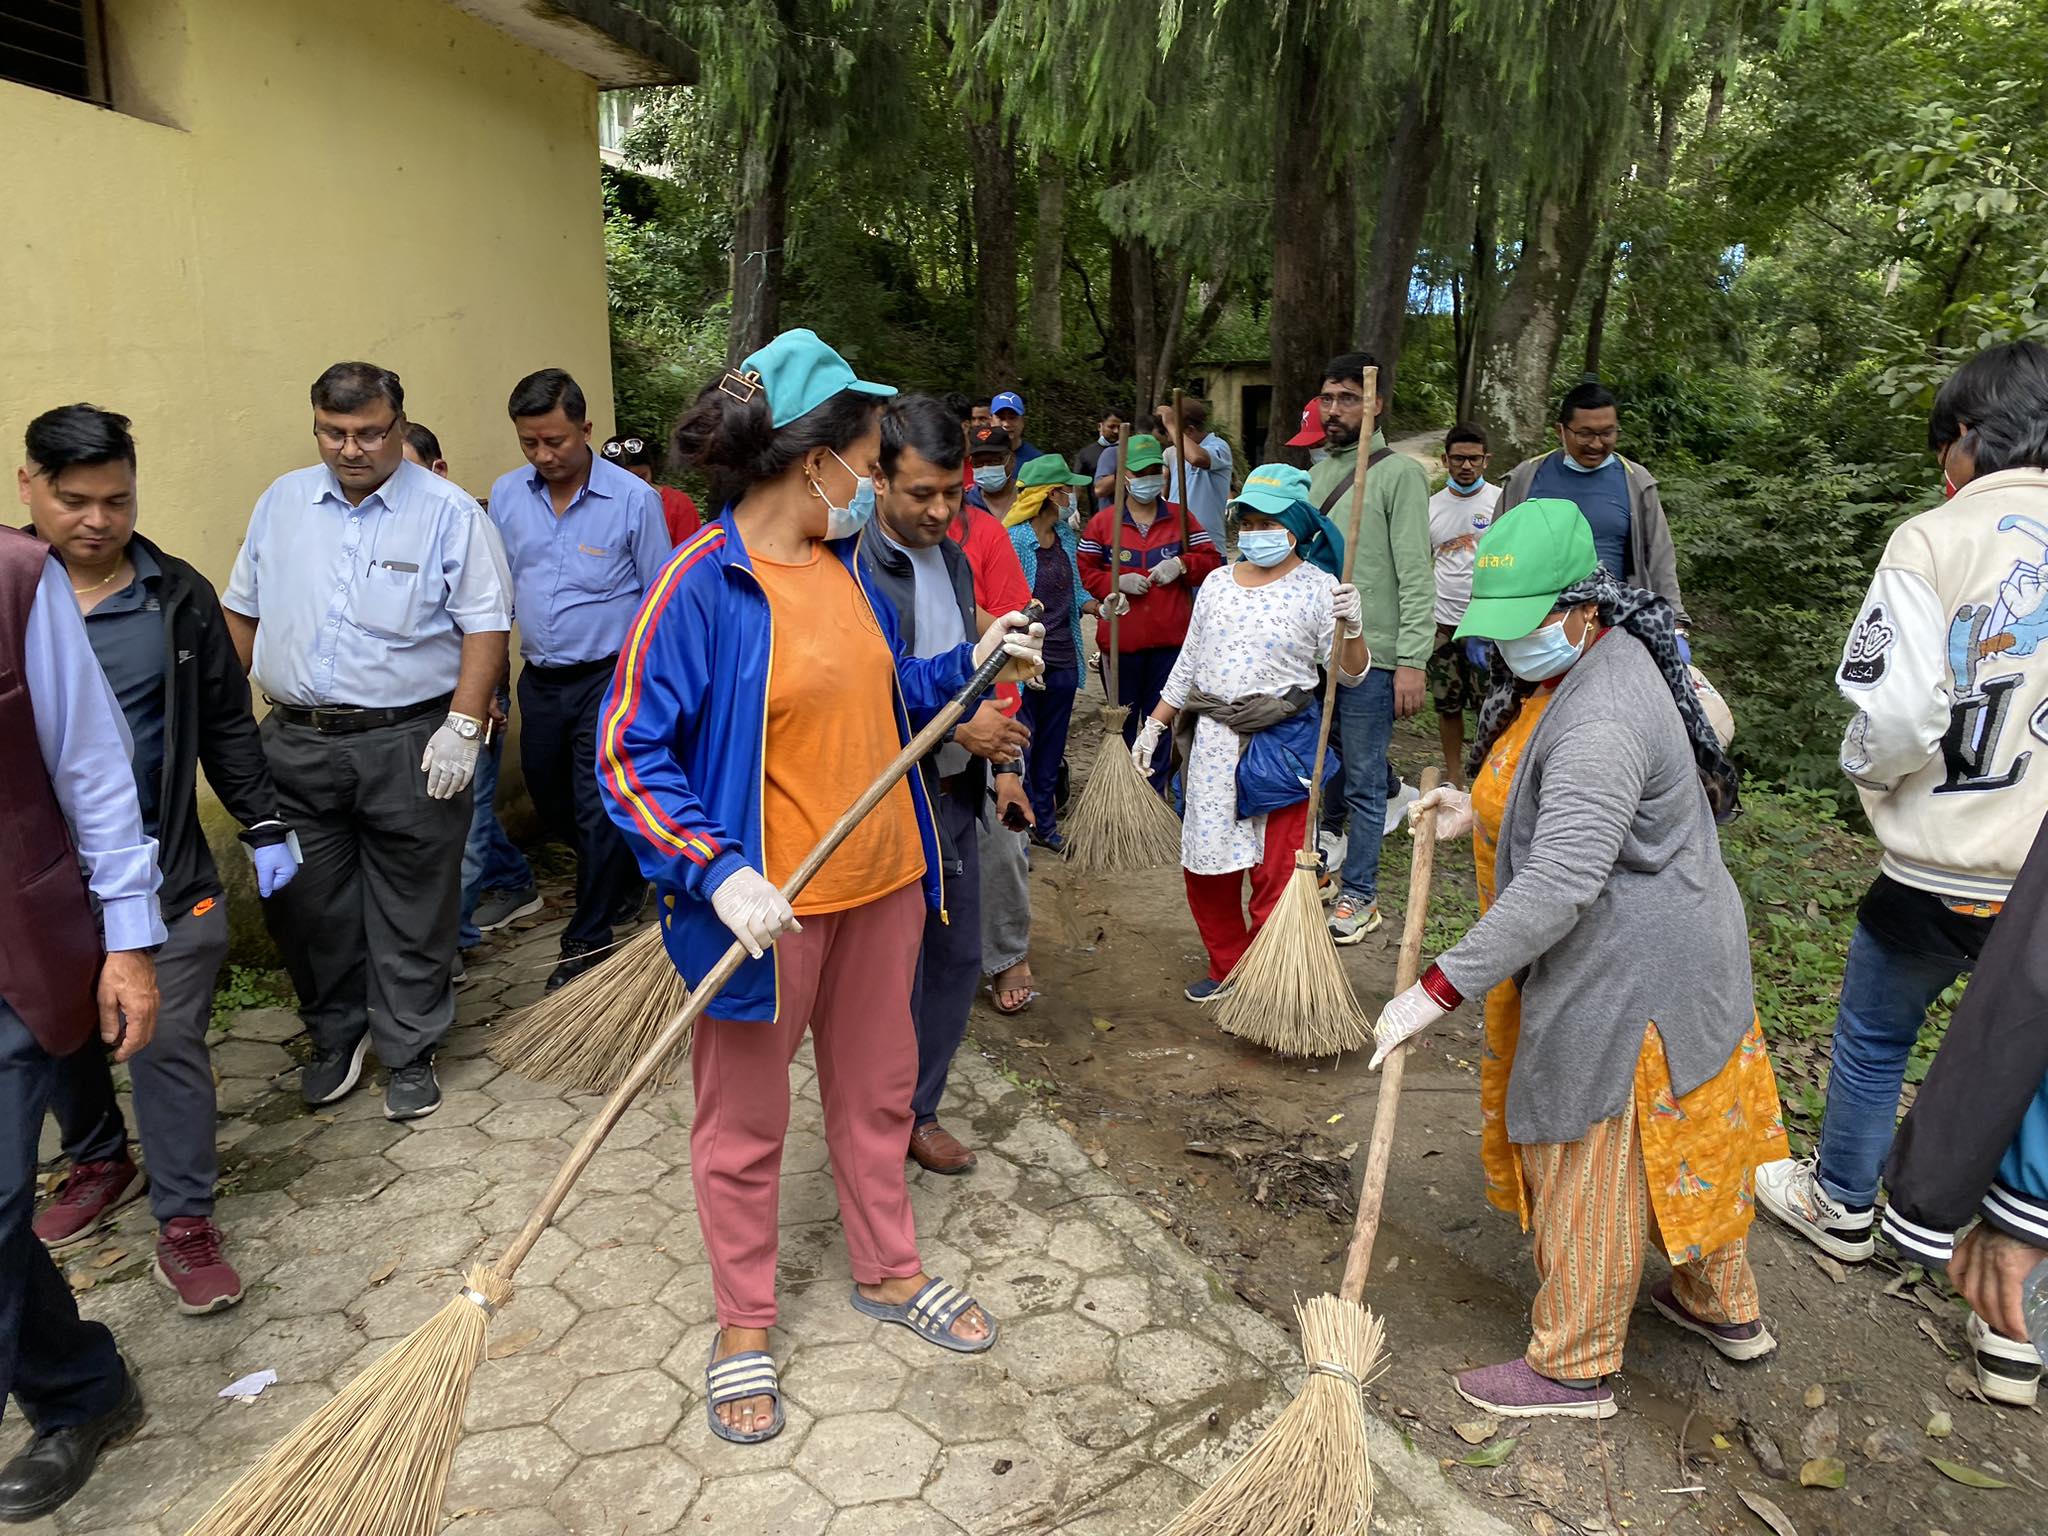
(757, 245)
(1120, 345)
(1144, 321)
(1048, 248)
(1397, 226)
(993, 151)
(1596, 322)
(1519, 355)
(1168, 362)
(1315, 226)
(1482, 293)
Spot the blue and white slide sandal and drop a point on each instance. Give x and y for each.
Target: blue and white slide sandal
(734, 1378)
(930, 1314)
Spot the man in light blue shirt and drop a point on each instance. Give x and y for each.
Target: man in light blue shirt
(585, 540)
(373, 599)
(1208, 462)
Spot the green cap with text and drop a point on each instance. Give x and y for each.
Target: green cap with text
(1529, 555)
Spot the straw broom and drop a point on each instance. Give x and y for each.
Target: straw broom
(1310, 1474)
(584, 1037)
(1120, 823)
(374, 1461)
(1289, 992)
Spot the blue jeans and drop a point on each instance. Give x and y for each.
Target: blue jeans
(1885, 996)
(1365, 729)
(1048, 713)
(490, 860)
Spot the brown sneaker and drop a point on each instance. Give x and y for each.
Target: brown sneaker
(189, 1265)
(90, 1193)
(936, 1150)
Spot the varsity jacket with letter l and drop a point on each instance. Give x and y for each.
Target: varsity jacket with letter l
(1947, 668)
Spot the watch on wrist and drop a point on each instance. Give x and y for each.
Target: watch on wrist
(468, 727)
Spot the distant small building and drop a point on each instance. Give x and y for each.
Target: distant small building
(209, 201)
(1240, 396)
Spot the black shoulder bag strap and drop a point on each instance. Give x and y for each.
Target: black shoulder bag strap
(1343, 486)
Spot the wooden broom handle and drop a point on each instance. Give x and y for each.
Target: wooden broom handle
(1118, 506)
(1180, 473)
(1371, 386)
(1358, 1264)
(651, 1059)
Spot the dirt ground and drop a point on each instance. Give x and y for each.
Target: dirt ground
(1237, 1150)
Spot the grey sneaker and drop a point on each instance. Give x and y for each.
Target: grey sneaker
(331, 1074)
(413, 1092)
(501, 907)
(1353, 918)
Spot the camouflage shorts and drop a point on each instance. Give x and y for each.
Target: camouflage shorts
(1455, 685)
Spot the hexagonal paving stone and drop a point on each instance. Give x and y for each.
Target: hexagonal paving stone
(808, 1197)
(317, 1283)
(636, 1128)
(619, 1413)
(1018, 1287)
(844, 1378)
(971, 1398)
(276, 1025)
(638, 1218)
(690, 1296)
(440, 1146)
(1083, 1246)
(1099, 1417)
(635, 1493)
(1120, 1303)
(343, 1180)
(509, 1522)
(1005, 1478)
(430, 1192)
(864, 1458)
(523, 1389)
(623, 1172)
(510, 1087)
(694, 1442)
(622, 1338)
(1171, 1367)
(1054, 1352)
(528, 1120)
(466, 1073)
(622, 1275)
(993, 1230)
(904, 1519)
(757, 1502)
(508, 1468)
(537, 1319)
(301, 1348)
(462, 1106)
(249, 1058)
(359, 1138)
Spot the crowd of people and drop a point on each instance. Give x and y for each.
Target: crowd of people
(702, 698)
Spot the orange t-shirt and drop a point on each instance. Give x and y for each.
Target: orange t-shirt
(831, 732)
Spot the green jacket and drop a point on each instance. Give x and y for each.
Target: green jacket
(1396, 573)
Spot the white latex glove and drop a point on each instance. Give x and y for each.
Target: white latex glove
(450, 759)
(1403, 1018)
(1131, 584)
(1167, 571)
(1453, 809)
(1115, 606)
(1344, 607)
(1020, 639)
(1147, 743)
(754, 910)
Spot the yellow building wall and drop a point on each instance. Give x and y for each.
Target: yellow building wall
(382, 179)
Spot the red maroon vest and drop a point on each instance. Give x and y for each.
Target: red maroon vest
(49, 940)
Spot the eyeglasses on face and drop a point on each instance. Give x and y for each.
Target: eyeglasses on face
(1340, 401)
(1466, 460)
(369, 441)
(1592, 434)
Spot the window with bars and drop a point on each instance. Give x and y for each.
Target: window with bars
(53, 45)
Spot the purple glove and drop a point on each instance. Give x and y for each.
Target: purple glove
(275, 867)
(1476, 652)
(1684, 650)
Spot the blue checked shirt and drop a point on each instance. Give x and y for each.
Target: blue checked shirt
(367, 605)
(578, 579)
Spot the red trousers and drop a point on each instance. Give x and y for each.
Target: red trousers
(847, 979)
(1218, 900)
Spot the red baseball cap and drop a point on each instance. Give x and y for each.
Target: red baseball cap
(1311, 431)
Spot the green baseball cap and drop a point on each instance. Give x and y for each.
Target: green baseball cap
(1142, 452)
(1273, 488)
(801, 373)
(1050, 469)
(1524, 561)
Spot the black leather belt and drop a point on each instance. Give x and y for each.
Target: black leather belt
(348, 719)
(575, 672)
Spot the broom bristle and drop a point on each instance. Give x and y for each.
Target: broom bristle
(1289, 993)
(586, 1036)
(374, 1461)
(1120, 823)
(1309, 1474)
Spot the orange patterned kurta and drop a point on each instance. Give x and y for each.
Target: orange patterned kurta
(1699, 1151)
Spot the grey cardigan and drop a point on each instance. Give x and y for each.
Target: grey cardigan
(1649, 531)
(1614, 908)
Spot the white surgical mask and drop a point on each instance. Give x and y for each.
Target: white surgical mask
(991, 477)
(844, 522)
(1147, 487)
(1539, 656)
(1265, 547)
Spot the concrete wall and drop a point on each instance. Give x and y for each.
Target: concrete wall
(284, 184)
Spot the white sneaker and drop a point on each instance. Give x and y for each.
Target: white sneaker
(1330, 850)
(1397, 806)
(1790, 1190)
(2008, 1370)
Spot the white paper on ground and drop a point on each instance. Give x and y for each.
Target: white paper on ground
(250, 1386)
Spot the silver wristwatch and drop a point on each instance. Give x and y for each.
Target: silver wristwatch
(468, 728)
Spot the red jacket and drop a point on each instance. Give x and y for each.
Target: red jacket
(999, 584)
(680, 513)
(1161, 616)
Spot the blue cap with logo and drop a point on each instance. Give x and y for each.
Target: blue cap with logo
(1008, 400)
(801, 373)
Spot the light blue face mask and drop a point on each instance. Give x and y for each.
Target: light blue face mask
(991, 477)
(1147, 487)
(844, 522)
(1265, 547)
(1466, 490)
(1541, 655)
(1574, 464)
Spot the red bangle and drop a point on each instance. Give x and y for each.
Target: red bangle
(1440, 990)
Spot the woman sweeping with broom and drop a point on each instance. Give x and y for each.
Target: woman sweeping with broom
(1242, 701)
(762, 688)
(1626, 1094)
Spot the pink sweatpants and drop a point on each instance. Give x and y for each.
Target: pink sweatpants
(847, 978)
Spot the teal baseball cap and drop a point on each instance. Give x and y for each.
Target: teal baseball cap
(800, 373)
(1273, 488)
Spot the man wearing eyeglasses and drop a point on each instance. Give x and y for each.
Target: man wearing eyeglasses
(1617, 495)
(371, 602)
(1458, 515)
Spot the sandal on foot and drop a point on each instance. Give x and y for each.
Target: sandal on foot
(997, 994)
(734, 1379)
(930, 1314)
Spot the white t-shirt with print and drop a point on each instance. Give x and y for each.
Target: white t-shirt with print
(1455, 523)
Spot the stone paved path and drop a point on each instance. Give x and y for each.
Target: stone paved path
(1127, 1374)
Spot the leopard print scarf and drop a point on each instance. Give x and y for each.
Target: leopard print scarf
(1649, 618)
